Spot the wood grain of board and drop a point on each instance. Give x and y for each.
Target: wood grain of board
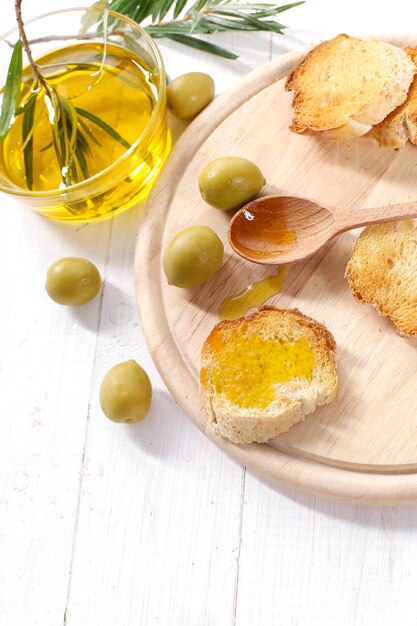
(362, 447)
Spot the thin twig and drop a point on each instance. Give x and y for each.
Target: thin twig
(78, 37)
(48, 38)
(26, 46)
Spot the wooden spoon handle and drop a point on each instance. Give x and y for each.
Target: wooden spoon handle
(345, 219)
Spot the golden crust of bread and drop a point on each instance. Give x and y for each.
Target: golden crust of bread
(383, 272)
(293, 399)
(400, 125)
(346, 85)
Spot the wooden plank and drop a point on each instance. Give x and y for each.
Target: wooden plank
(46, 354)
(308, 561)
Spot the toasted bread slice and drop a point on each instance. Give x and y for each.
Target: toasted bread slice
(263, 373)
(400, 125)
(383, 272)
(346, 85)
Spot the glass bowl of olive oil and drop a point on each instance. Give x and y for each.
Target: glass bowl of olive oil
(88, 141)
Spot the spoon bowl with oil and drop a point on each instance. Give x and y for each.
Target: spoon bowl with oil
(276, 230)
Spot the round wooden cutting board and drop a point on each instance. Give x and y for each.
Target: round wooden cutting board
(363, 446)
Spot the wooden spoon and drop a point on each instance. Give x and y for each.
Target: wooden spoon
(282, 229)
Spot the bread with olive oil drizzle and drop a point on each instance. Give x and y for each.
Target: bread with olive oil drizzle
(263, 373)
(346, 85)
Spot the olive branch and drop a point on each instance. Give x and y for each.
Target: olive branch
(70, 133)
(71, 136)
(203, 17)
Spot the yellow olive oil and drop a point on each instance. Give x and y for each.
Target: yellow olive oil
(253, 296)
(108, 84)
(248, 369)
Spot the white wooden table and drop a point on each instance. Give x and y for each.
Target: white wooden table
(114, 525)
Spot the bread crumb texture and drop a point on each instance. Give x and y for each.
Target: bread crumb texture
(348, 84)
(383, 272)
(263, 373)
(400, 125)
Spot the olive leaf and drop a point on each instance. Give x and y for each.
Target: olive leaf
(11, 91)
(69, 141)
(27, 139)
(200, 44)
(104, 126)
(90, 19)
(179, 5)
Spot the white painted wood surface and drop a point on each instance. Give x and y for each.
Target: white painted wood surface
(110, 525)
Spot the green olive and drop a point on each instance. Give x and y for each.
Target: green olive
(192, 256)
(126, 393)
(189, 94)
(229, 183)
(72, 281)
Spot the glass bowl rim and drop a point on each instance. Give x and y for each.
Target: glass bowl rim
(23, 193)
